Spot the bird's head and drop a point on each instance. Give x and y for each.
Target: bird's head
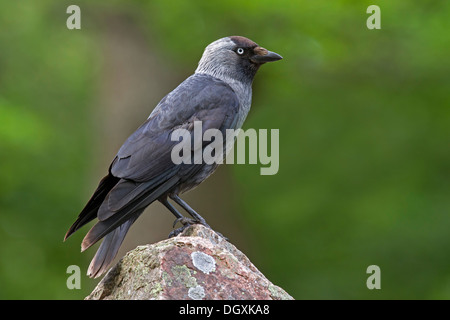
(234, 57)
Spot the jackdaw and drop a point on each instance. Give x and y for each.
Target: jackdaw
(219, 95)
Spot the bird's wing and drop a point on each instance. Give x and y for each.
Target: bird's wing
(147, 152)
(144, 163)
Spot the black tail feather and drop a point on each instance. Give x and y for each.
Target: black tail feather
(90, 210)
(102, 228)
(109, 248)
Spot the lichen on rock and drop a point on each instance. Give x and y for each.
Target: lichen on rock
(197, 264)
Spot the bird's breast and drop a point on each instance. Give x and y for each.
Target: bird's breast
(244, 94)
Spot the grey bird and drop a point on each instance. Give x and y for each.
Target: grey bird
(219, 94)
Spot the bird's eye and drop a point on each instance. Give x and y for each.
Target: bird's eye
(240, 51)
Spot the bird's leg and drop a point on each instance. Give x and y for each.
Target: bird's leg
(171, 208)
(198, 218)
(189, 210)
(186, 222)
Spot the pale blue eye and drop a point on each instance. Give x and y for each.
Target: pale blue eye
(240, 51)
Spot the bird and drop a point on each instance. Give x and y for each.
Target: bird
(218, 94)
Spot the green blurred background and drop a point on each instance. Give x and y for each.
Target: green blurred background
(364, 120)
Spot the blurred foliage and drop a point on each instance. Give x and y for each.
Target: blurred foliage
(364, 123)
(45, 83)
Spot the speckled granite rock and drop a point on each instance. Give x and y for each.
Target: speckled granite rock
(198, 264)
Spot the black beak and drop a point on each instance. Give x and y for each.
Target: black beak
(265, 56)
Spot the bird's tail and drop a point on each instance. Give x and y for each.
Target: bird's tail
(109, 248)
(121, 207)
(90, 210)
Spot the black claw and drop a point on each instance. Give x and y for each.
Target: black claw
(187, 222)
(175, 222)
(176, 232)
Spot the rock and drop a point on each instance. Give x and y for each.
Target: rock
(198, 264)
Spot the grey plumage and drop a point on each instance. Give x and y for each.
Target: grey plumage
(219, 95)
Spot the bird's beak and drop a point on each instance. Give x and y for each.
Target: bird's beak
(263, 55)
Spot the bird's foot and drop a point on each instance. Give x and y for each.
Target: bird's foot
(186, 222)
